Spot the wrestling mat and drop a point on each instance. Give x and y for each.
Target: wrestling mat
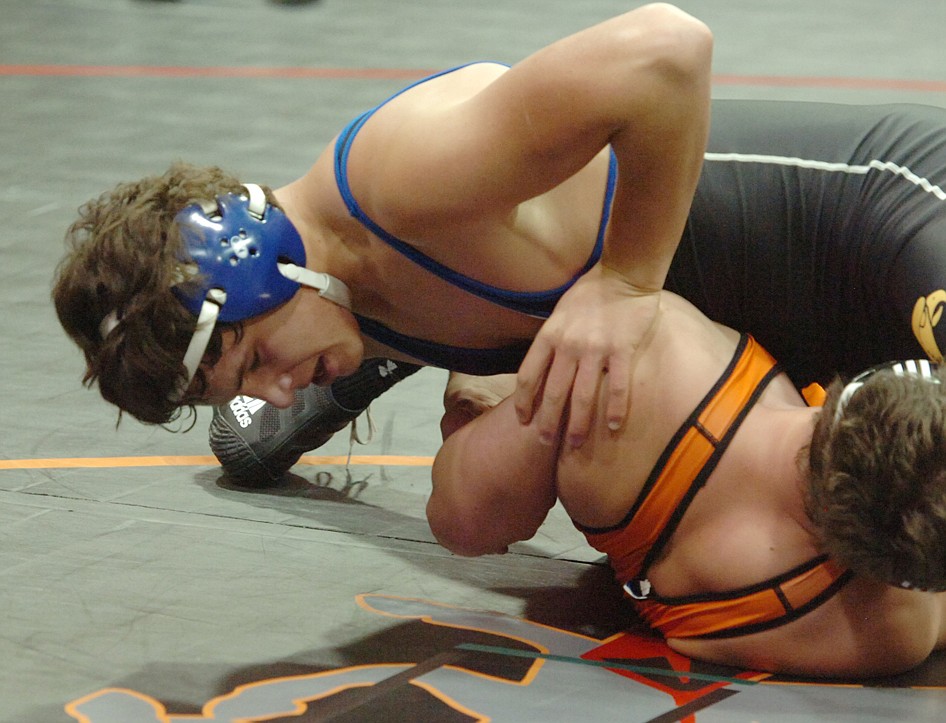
(135, 596)
(460, 664)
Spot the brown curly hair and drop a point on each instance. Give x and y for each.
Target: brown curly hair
(877, 479)
(124, 255)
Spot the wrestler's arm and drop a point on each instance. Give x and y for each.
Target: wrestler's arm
(493, 484)
(639, 82)
(659, 142)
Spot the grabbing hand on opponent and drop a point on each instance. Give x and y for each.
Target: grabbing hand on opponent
(588, 342)
(658, 139)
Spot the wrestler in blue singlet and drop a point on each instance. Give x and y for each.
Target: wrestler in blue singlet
(818, 228)
(535, 303)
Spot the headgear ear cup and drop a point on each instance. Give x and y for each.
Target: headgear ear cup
(238, 251)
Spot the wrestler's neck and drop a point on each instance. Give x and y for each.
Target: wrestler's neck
(326, 252)
(780, 438)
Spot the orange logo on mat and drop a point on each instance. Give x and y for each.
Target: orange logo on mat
(521, 672)
(524, 671)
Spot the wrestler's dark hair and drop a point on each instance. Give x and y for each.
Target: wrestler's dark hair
(877, 479)
(123, 255)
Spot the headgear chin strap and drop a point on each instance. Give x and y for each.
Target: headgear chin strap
(249, 259)
(917, 367)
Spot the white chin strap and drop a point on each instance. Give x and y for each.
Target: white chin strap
(328, 286)
(206, 321)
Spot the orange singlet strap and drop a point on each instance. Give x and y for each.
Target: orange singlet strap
(686, 463)
(814, 394)
(740, 612)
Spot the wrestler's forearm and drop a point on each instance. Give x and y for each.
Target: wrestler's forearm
(493, 484)
(466, 397)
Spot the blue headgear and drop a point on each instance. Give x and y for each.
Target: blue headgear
(236, 249)
(249, 259)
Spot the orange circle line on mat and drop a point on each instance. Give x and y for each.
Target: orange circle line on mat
(204, 461)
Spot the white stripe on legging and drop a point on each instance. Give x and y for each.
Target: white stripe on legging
(831, 167)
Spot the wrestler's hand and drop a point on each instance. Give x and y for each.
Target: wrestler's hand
(588, 341)
(467, 397)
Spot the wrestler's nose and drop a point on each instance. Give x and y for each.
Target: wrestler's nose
(273, 388)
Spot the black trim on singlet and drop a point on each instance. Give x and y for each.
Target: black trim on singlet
(479, 362)
(791, 613)
(674, 442)
(719, 448)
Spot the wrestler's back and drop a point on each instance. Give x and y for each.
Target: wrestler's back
(681, 360)
(748, 523)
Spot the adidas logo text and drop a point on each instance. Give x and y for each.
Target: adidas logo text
(244, 408)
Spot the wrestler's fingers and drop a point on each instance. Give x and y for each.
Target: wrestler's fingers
(555, 395)
(530, 378)
(618, 399)
(583, 400)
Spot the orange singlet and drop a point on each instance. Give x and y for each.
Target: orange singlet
(683, 468)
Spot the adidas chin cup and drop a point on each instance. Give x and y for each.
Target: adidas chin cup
(257, 443)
